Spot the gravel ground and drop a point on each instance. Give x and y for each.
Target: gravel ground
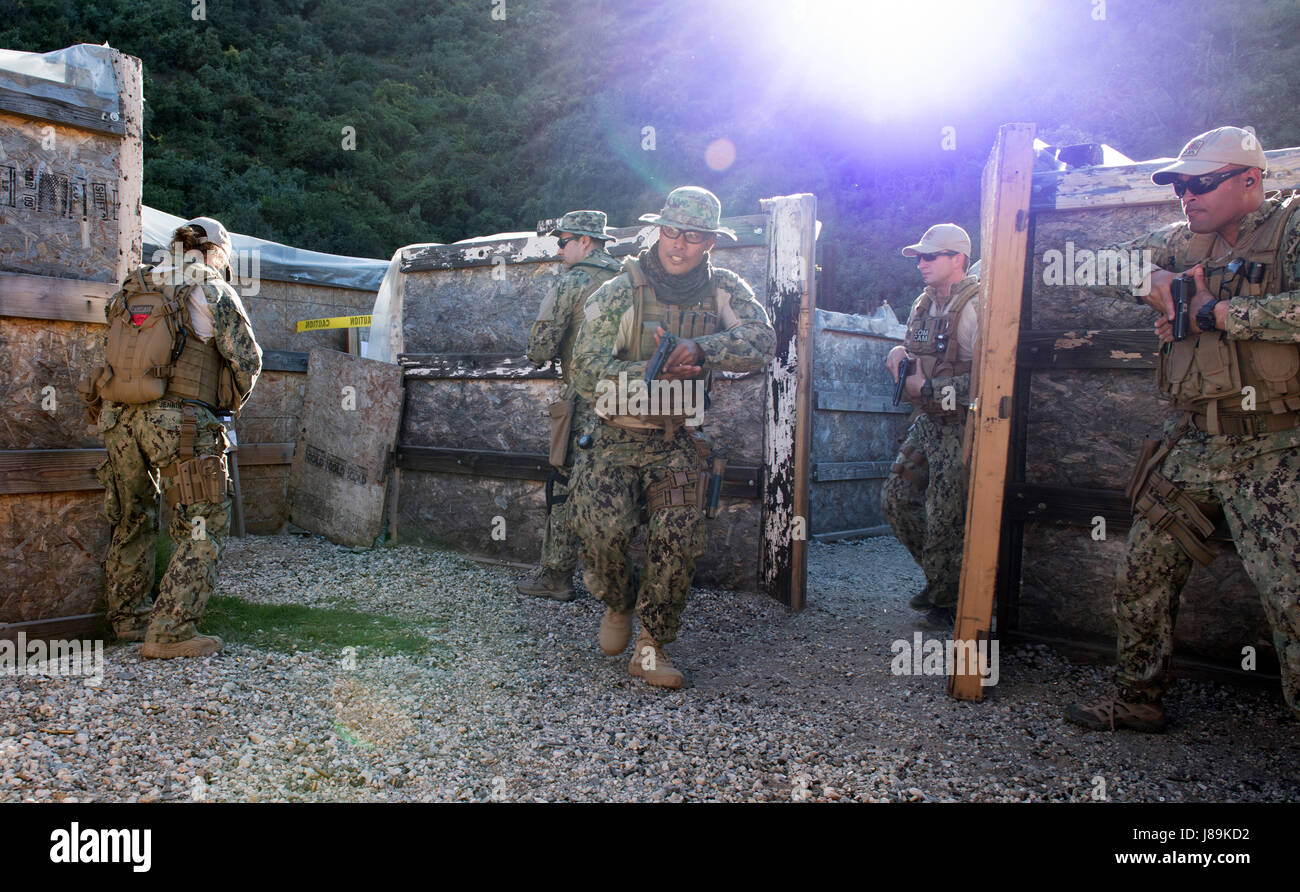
(517, 703)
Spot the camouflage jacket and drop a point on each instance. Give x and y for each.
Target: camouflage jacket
(745, 345)
(1274, 317)
(965, 333)
(560, 317)
(232, 332)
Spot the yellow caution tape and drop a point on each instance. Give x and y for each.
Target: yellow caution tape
(334, 322)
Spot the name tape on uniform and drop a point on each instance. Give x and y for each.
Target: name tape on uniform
(334, 322)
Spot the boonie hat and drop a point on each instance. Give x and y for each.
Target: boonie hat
(941, 237)
(691, 207)
(212, 230)
(1211, 150)
(589, 223)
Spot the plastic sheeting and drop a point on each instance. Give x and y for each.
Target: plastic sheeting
(80, 76)
(272, 260)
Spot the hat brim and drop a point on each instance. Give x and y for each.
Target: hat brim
(913, 250)
(1191, 167)
(660, 220)
(599, 236)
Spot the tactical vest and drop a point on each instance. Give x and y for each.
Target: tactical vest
(1207, 373)
(694, 320)
(151, 353)
(933, 339)
(601, 270)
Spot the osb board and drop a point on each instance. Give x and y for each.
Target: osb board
(508, 415)
(60, 200)
(1068, 584)
(459, 511)
(494, 414)
(277, 307)
(1085, 426)
(52, 547)
(1068, 306)
(266, 497)
(490, 309)
(273, 412)
(349, 424)
(39, 354)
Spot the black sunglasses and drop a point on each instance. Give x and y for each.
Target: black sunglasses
(564, 242)
(930, 258)
(1205, 183)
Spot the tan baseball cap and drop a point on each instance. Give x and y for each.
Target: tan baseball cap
(942, 237)
(212, 231)
(1210, 151)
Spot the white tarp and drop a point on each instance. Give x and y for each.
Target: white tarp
(80, 76)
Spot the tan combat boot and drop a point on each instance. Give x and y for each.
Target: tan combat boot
(651, 663)
(198, 646)
(548, 583)
(615, 631)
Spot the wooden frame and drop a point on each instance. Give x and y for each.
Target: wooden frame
(1004, 240)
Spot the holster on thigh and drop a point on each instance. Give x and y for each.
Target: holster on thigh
(201, 479)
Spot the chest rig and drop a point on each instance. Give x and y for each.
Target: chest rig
(1207, 374)
(151, 353)
(601, 269)
(690, 320)
(932, 339)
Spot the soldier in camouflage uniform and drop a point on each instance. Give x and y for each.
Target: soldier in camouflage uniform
(175, 442)
(588, 265)
(1236, 451)
(924, 497)
(643, 460)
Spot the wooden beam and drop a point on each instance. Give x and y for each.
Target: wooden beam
(739, 481)
(49, 470)
(41, 108)
(130, 224)
(1004, 222)
(826, 471)
(473, 365)
(846, 401)
(49, 297)
(73, 470)
(1095, 187)
(787, 436)
(82, 626)
(1115, 348)
(252, 454)
(750, 231)
(861, 533)
(285, 361)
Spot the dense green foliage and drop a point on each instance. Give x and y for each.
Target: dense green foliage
(468, 124)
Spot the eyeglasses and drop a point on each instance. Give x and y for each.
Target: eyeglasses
(930, 258)
(692, 237)
(1205, 183)
(564, 242)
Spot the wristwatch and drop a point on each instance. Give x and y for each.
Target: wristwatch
(927, 389)
(1205, 317)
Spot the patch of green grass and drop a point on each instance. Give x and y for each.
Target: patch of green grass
(293, 627)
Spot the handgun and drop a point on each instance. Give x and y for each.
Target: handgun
(656, 364)
(904, 369)
(1181, 290)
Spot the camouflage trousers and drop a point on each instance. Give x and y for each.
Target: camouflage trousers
(560, 545)
(924, 500)
(612, 479)
(140, 441)
(1257, 482)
